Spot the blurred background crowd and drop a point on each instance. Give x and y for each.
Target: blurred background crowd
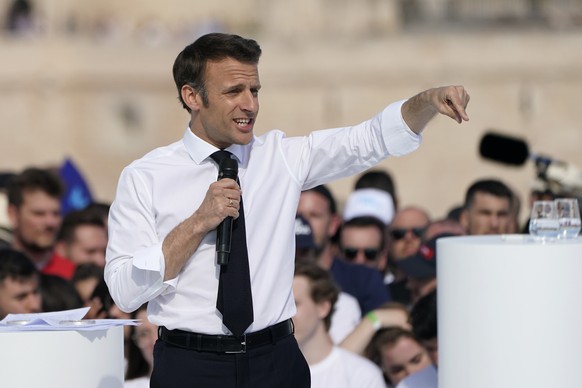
(365, 281)
(85, 88)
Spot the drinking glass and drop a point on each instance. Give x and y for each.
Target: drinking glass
(544, 223)
(569, 217)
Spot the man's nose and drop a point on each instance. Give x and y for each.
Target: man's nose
(361, 257)
(33, 303)
(249, 102)
(53, 220)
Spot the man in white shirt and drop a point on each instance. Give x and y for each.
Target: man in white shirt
(169, 203)
(331, 366)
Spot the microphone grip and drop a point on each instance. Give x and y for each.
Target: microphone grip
(227, 168)
(223, 235)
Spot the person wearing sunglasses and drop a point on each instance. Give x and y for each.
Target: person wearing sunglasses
(404, 238)
(319, 207)
(406, 230)
(362, 241)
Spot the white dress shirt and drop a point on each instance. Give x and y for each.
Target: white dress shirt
(163, 188)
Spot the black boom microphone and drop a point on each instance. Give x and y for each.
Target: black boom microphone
(504, 149)
(228, 169)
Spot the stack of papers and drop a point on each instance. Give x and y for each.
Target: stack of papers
(61, 321)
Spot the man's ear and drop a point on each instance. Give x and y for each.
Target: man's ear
(191, 97)
(13, 216)
(334, 225)
(323, 309)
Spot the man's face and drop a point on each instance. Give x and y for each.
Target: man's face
(403, 358)
(405, 232)
(488, 214)
(314, 207)
(36, 222)
(309, 318)
(232, 88)
(20, 296)
(88, 246)
(366, 243)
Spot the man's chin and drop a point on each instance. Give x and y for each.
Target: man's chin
(37, 247)
(247, 138)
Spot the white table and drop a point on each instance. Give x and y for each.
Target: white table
(510, 312)
(62, 359)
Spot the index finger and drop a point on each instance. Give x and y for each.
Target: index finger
(457, 100)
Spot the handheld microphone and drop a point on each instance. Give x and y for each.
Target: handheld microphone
(504, 149)
(228, 169)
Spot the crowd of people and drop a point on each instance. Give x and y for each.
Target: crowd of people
(384, 255)
(50, 261)
(365, 278)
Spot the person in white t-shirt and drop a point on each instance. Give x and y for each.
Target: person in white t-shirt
(347, 313)
(315, 295)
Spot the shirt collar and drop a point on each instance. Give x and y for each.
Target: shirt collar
(199, 150)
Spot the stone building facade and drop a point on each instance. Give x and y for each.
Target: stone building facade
(93, 82)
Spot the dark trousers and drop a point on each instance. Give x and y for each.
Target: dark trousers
(279, 365)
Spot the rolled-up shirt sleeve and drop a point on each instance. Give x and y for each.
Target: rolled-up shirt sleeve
(135, 266)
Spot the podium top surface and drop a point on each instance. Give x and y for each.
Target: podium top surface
(506, 239)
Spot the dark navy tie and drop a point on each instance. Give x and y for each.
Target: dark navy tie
(234, 299)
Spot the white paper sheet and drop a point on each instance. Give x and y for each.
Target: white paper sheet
(60, 320)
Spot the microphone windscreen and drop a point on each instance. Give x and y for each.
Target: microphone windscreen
(228, 168)
(504, 149)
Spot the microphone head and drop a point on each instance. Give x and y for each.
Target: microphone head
(228, 168)
(504, 149)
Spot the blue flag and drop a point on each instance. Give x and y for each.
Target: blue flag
(77, 194)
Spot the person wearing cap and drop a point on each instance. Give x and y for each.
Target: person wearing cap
(363, 233)
(319, 207)
(346, 314)
(404, 238)
(369, 202)
(420, 268)
(406, 231)
(378, 179)
(304, 245)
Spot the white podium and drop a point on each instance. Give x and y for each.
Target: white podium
(509, 312)
(62, 359)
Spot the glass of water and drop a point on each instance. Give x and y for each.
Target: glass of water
(569, 217)
(544, 223)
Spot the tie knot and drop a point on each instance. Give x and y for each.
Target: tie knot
(219, 156)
